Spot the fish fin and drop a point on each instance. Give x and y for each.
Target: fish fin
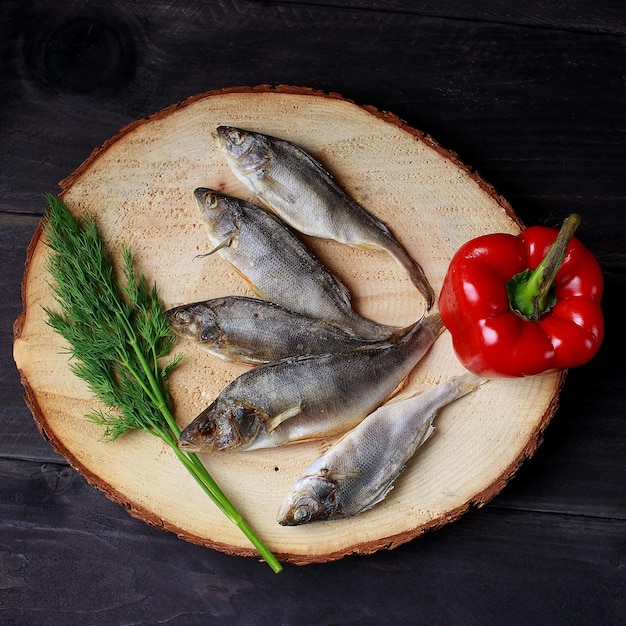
(379, 497)
(427, 434)
(250, 284)
(401, 397)
(468, 382)
(277, 420)
(279, 190)
(344, 292)
(344, 475)
(368, 246)
(391, 398)
(299, 152)
(224, 244)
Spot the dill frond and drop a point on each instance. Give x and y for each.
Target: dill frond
(119, 339)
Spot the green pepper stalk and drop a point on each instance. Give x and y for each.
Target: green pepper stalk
(531, 292)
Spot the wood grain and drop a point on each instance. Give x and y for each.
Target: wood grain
(140, 183)
(184, 585)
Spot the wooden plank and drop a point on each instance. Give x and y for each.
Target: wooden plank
(588, 16)
(506, 98)
(19, 437)
(70, 556)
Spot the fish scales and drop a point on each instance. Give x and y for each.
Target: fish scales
(278, 266)
(253, 331)
(308, 397)
(290, 182)
(359, 470)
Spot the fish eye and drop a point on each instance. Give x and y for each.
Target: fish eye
(235, 137)
(207, 428)
(211, 200)
(183, 316)
(199, 432)
(301, 515)
(209, 431)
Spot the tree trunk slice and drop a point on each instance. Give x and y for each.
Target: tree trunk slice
(140, 186)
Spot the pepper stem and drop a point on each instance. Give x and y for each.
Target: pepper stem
(530, 292)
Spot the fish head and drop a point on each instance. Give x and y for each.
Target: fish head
(312, 497)
(247, 151)
(195, 321)
(221, 214)
(221, 426)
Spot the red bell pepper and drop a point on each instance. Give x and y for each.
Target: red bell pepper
(523, 305)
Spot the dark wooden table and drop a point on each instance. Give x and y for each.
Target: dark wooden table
(530, 94)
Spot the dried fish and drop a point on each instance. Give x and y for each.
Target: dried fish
(253, 331)
(297, 188)
(359, 470)
(277, 265)
(308, 397)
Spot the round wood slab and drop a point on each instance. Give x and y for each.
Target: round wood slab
(140, 186)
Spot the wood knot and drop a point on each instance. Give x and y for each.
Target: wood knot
(58, 478)
(81, 53)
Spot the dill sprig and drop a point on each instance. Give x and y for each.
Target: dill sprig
(119, 338)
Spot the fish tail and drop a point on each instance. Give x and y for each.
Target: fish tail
(415, 272)
(468, 382)
(432, 322)
(402, 332)
(370, 331)
(418, 278)
(427, 330)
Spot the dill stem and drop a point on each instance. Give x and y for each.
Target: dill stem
(154, 391)
(195, 467)
(200, 474)
(191, 461)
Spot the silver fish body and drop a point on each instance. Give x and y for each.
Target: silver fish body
(359, 470)
(278, 266)
(307, 397)
(297, 188)
(253, 331)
